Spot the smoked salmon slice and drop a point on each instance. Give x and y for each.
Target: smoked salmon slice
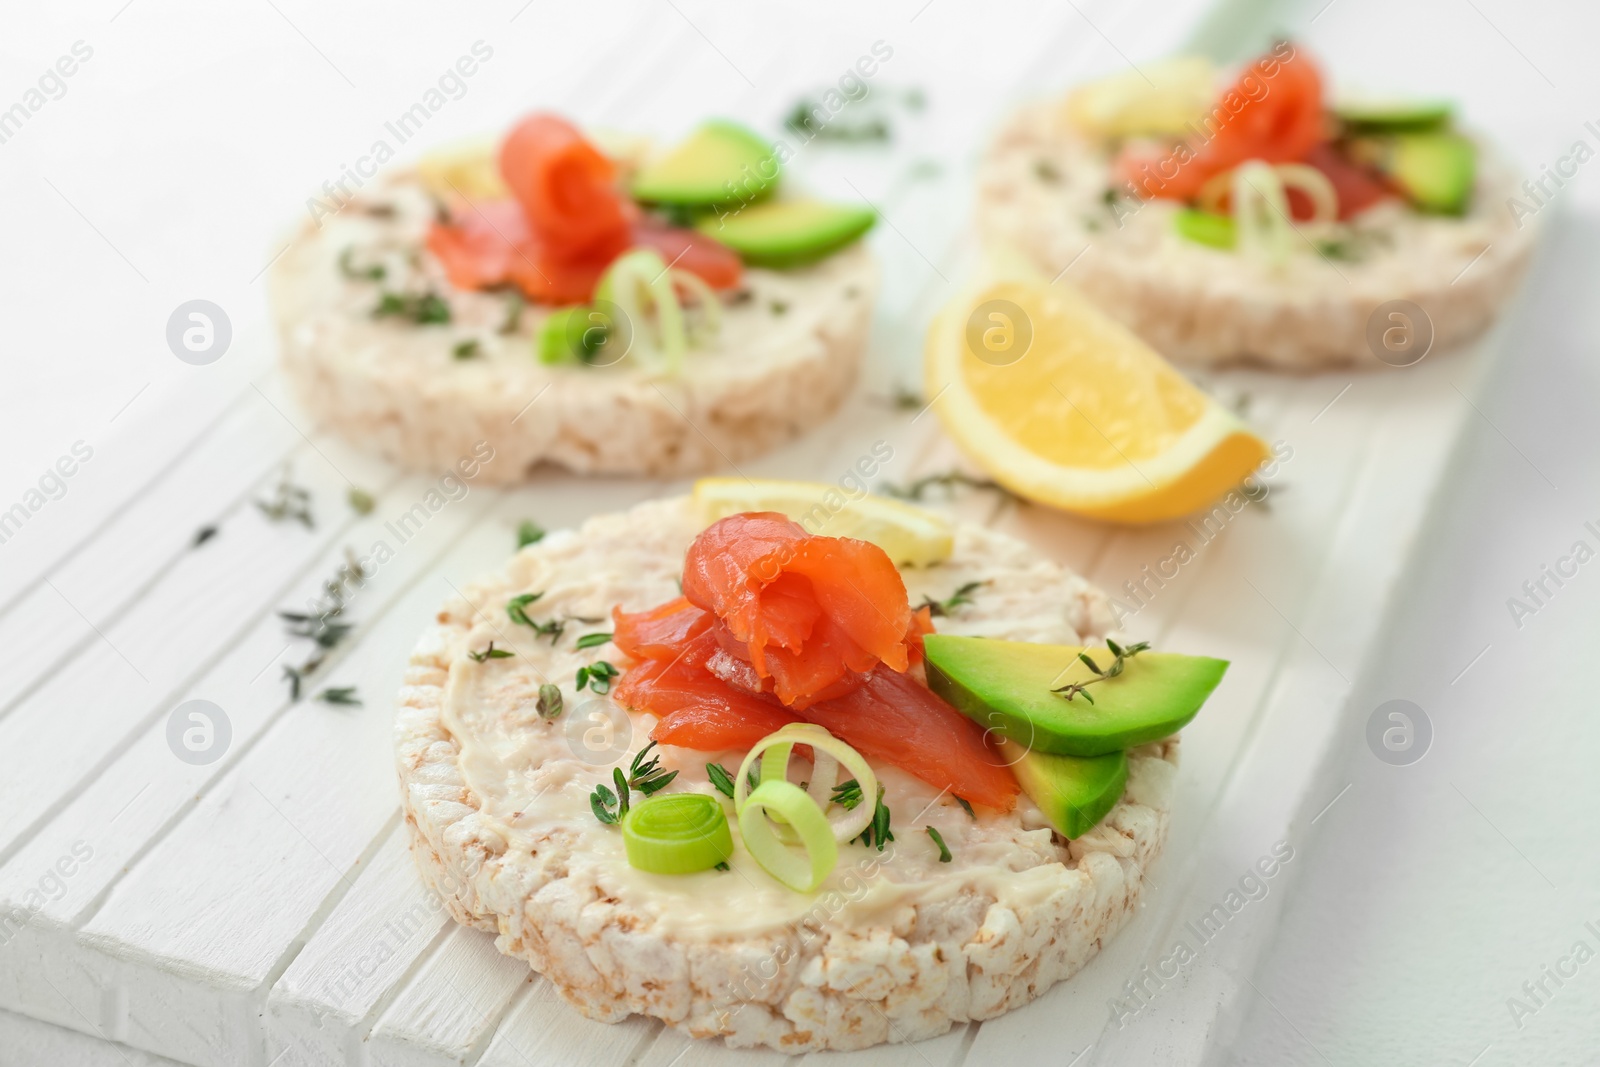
(809, 610)
(566, 186)
(566, 223)
(776, 626)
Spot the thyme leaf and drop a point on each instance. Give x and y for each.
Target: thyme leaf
(529, 533)
(490, 653)
(938, 839)
(877, 834)
(342, 695)
(597, 676)
(721, 780)
(549, 704)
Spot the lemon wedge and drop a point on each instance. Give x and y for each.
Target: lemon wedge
(1162, 99)
(470, 170)
(908, 534)
(1065, 406)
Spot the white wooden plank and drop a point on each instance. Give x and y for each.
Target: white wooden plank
(122, 554)
(1222, 617)
(1282, 759)
(297, 813)
(321, 1009)
(542, 1030)
(68, 727)
(118, 812)
(448, 1015)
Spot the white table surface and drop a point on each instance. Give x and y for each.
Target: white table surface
(1422, 899)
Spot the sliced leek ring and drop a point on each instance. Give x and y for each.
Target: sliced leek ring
(830, 754)
(802, 871)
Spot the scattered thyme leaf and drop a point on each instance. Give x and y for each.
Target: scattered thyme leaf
(778, 307)
(202, 535)
(425, 309)
(721, 780)
(490, 653)
(918, 489)
(372, 273)
(622, 791)
(902, 398)
(603, 803)
(597, 676)
(722, 866)
(342, 695)
(513, 319)
(549, 703)
(468, 349)
(962, 595)
(877, 832)
(361, 501)
(938, 839)
(288, 502)
(847, 794)
(515, 606)
(293, 675)
(1046, 171)
(529, 533)
(592, 641)
(963, 802)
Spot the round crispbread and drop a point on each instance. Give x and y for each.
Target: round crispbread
(895, 946)
(789, 349)
(1047, 192)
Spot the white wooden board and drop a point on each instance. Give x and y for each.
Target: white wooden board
(262, 909)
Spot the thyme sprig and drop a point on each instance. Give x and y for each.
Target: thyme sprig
(1123, 656)
(938, 839)
(597, 676)
(962, 595)
(645, 776)
(948, 480)
(847, 794)
(323, 625)
(288, 502)
(490, 653)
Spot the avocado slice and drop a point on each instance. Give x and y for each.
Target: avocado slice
(1434, 170)
(1006, 685)
(788, 233)
(720, 163)
(1394, 114)
(1073, 792)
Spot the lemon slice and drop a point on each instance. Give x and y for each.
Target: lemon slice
(1065, 406)
(470, 170)
(908, 534)
(1162, 99)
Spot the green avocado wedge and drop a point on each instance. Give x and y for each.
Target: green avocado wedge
(1006, 686)
(1379, 114)
(789, 233)
(720, 163)
(1073, 792)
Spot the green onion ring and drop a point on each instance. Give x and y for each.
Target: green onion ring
(774, 750)
(800, 871)
(679, 833)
